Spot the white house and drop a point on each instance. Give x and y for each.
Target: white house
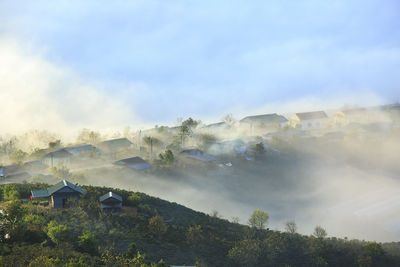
(309, 120)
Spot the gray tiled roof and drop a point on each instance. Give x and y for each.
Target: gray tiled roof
(110, 195)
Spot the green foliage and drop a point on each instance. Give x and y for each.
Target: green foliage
(190, 123)
(167, 157)
(290, 227)
(157, 226)
(245, 253)
(10, 192)
(83, 236)
(133, 199)
(11, 220)
(43, 261)
(132, 251)
(259, 149)
(58, 232)
(319, 232)
(259, 219)
(87, 243)
(17, 157)
(194, 235)
(184, 132)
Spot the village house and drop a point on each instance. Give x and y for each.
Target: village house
(309, 120)
(111, 202)
(57, 157)
(346, 116)
(33, 165)
(270, 122)
(135, 163)
(81, 150)
(7, 170)
(114, 145)
(217, 127)
(62, 195)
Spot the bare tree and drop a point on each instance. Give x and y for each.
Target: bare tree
(291, 227)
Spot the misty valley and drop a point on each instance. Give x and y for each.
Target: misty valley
(305, 189)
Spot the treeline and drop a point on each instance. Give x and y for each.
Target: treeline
(154, 232)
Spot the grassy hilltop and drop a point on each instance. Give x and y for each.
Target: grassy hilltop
(154, 232)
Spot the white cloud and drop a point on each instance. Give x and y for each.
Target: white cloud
(36, 94)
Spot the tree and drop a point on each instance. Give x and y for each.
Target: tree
(184, 131)
(235, 219)
(167, 157)
(17, 157)
(259, 219)
(194, 235)
(12, 217)
(190, 123)
(88, 243)
(134, 199)
(10, 192)
(58, 232)
(373, 255)
(157, 226)
(43, 261)
(89, 137)
(259, 149)
(228, 119)
(291, 227)
(320, 232)
(55, 144)
(245, 253)
(132, 251)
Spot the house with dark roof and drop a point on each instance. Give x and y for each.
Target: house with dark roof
(264, 122)
(215, 127)
(111, 202)
(8, 170)
(114, 145)
(309, 120)
(62, 194)
(81, 150)
(135, 163)
(57, 157)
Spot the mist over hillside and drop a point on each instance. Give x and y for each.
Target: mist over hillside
(342, 175)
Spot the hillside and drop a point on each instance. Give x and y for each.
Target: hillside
(37, 235)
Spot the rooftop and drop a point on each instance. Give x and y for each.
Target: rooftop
(312, 115)
(110, 195)
(265, 118)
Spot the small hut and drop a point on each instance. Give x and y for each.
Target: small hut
(111, 202)
(62, 194)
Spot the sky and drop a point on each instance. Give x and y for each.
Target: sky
(66, 64)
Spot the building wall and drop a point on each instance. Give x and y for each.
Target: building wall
(57, 200)
(56, 161)
(312, 124)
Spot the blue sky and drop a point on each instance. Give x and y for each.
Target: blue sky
(169, 59)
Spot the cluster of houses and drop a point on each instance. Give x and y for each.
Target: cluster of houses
(314, 120)
(65, 194)
(65, 155)
(265, 125)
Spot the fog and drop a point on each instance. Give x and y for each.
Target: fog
(349, 185)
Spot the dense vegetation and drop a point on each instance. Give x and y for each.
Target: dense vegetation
(153, 232)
